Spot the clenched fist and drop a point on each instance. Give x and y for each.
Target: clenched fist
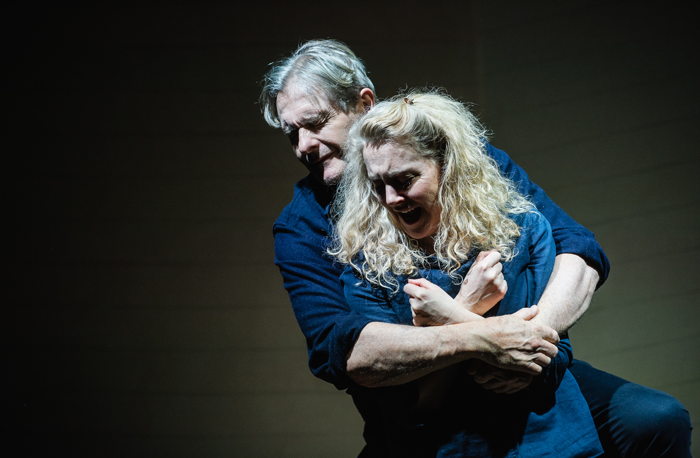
(484, 284)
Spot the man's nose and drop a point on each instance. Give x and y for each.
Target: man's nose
(307, 142)
(392, 197)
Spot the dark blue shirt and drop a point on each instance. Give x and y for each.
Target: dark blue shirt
(312, 278)
(526, 274)
(550, 418)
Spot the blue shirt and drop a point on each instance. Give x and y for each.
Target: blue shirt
(550, 418)
(312, 277)
(526, 274)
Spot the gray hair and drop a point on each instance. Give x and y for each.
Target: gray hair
(326, 64)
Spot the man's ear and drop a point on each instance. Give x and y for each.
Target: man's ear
(366, 99)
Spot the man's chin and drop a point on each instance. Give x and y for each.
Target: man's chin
(327, 180)
(330, 175)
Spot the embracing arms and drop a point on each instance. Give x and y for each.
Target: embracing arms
(345, 347)
(390, 354)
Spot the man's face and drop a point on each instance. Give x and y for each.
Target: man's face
(317, 132)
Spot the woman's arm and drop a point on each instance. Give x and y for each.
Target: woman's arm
(535, 249)
(432, 306)
(537, 252)
(389, 354)
(483, 287)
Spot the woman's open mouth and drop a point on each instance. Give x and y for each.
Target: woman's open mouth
(411, 216)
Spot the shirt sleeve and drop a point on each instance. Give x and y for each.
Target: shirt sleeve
(398, 401)
(362, 298)
(569, 236)
(312, 280)
(546, 383)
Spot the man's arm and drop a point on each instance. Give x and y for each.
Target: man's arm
(564, 301)
(312, 280)
(331, 328)
(568, 293)
(389, 354)
(580, 265)
(381, 353)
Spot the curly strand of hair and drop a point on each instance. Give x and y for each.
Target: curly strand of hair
(476, 200)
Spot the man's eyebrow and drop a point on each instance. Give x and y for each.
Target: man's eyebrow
(319, 117)
(310, 120)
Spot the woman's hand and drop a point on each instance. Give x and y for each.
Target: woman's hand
(431, 306)
(484, 284)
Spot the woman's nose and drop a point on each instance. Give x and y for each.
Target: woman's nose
(392, 197)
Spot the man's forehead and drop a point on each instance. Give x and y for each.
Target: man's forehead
(300, 105)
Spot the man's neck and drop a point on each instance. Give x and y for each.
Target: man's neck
(324, 193)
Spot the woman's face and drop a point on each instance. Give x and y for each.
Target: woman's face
(407, 186)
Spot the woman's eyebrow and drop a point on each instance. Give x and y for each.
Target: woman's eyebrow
(392, 175)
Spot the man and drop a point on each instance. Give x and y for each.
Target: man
(314, 96)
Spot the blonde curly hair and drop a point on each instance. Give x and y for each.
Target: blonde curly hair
(476, 200)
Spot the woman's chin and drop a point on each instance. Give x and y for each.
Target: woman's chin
(423, 237)
(411, 233)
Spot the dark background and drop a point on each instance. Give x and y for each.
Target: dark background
(144, 314)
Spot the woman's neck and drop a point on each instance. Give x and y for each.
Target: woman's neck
(427, 244)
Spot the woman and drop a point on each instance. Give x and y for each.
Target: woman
(418, 202)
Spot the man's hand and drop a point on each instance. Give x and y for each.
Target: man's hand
(514, 342)
(388, 354)
(431, 306)
(499, 380)
(484, 284)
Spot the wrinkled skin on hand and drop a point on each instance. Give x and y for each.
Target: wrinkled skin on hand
(514, 342)
(515, 349)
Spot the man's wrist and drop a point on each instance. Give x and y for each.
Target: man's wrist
(464, 340)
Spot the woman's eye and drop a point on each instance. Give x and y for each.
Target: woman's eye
(406, 181)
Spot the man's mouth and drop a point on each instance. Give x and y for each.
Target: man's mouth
(409, 216)
(318, 160)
